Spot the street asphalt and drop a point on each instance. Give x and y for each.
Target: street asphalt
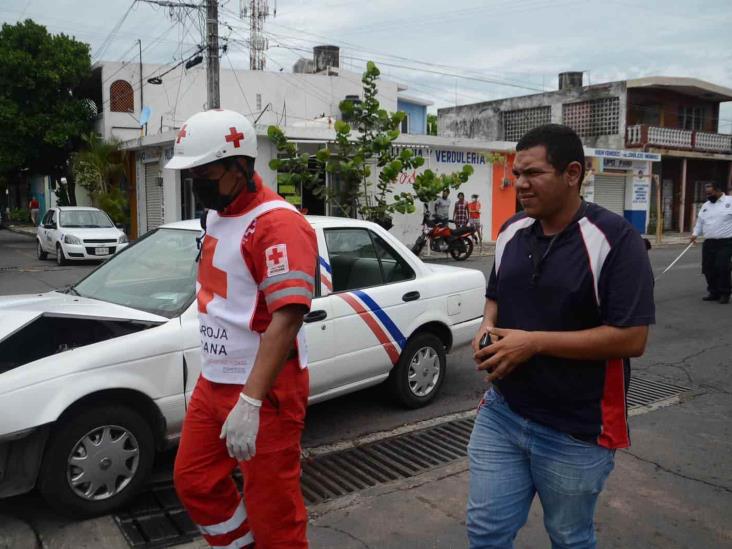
(672, 488)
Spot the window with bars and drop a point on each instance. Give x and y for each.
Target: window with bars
(594, 117)
(516, 123)
(691, 118)
(121, 97)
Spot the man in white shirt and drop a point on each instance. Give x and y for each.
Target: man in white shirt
(442, 207)
(714, 222)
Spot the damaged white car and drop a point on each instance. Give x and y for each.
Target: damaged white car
(95, 379)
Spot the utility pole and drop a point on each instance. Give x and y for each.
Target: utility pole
(213, 98)
(142, 97)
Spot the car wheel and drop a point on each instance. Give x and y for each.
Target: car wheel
(60, 257)
(96, 461)
(41, 254)
(418, 376)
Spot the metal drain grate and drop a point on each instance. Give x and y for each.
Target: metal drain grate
(156, 518)
(341, 473)
(643, 392)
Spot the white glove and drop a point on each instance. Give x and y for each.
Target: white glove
(241, 427)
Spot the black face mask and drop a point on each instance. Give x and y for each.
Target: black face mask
(712, 198)
(207, 194)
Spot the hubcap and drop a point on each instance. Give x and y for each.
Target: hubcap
(424, 371)
(103, 462)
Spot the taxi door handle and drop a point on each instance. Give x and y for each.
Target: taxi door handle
(410, 296)
(314, 316)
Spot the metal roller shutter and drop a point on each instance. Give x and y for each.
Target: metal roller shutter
(610, 192)
(153, 197)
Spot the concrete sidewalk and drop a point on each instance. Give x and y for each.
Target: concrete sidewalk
(671, 490)
(28, 230)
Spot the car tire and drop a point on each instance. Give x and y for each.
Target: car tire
(120, 448)
(41, 253)
(418, 376)
(60, 257)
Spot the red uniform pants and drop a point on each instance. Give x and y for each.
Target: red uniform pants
(272, 512)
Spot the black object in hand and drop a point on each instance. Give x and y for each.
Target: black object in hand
(485, 341)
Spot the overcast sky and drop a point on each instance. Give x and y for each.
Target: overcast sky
(475, 50)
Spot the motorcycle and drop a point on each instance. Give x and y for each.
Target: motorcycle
(457, 242)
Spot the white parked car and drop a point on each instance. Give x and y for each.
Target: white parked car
(78, 233)
(95, 379)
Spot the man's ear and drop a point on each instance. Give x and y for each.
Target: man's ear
(573, 174)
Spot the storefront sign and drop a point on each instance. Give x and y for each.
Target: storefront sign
(631, 155)
(459, 157)
(149, 155)
(616, 164)
(641, 187)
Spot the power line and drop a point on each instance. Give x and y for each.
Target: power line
(105, 44)
(362, 49)
(236, 77)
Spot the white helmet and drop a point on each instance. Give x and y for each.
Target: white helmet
(212, 135)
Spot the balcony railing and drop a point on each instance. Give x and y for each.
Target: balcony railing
(672, 138)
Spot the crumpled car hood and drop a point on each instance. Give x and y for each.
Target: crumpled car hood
(18, 310)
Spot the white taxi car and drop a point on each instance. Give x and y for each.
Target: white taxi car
(95, 379)
(78, 233)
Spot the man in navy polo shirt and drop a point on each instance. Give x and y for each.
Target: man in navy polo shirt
(569, 300)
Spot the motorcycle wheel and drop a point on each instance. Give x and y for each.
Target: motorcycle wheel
(462, 249)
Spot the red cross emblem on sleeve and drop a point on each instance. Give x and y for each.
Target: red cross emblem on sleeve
(212, 279)
(276, 257)
(235, 137)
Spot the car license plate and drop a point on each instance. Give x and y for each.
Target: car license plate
(101, 251)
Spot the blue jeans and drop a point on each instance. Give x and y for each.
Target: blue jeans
(511, 459)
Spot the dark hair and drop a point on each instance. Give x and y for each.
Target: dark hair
(716, 185)
(563, 146)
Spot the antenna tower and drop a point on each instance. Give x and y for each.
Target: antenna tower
(257, 11)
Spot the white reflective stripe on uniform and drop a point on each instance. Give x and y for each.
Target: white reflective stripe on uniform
(508, 233)
(292, 275)
(229, 525)
(598, 249)
(287, 292)
(238, 543)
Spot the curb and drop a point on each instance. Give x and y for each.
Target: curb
(16, 534)
(15, 229)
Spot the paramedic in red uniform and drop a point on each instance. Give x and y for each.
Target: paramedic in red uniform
(255, 283)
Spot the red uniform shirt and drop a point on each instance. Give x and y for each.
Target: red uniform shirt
(281, 232)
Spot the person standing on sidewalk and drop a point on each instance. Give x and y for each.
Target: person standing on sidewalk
(474, 217)
(714, 222)
(460, 212)
(34, 207)
(442, 207)
(569, 300)
(255, 282)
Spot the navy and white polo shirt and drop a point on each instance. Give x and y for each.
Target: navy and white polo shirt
(596, 272)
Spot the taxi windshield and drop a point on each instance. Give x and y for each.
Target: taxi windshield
(157, 274)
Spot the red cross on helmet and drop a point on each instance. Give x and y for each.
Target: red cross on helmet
(212, 135)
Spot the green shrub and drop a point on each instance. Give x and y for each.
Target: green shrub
(20, 215)
(115, 204)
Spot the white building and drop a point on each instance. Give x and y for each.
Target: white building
(134, 100)
(164, 196)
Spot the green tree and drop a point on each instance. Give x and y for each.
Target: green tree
(42, 117)
(431, 124)
(364, 143)
(99, 167)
